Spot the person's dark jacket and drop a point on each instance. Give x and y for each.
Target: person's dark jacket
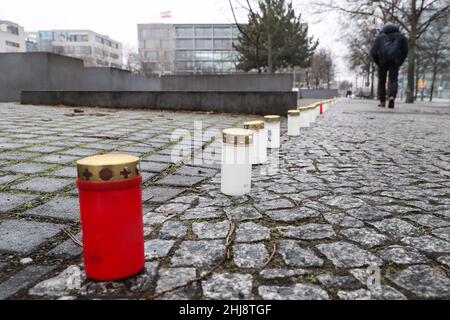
(376, 51)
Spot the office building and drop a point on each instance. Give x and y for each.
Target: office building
(188, 48)
(12, 37)
(94, 49)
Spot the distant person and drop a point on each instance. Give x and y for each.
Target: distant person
(389, 52)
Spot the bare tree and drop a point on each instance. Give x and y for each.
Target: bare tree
(134, 62)
(252, 35)
(322, 69)
(435, 48)
(360, 41)
(413, 16)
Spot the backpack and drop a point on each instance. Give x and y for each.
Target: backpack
(390, 48)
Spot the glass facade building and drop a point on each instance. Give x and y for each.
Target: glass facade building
(188, 48)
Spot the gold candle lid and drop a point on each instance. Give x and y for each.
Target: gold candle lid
(108, 168)
(272, 118)
(237, 136)
(294, 113)
(254, 125)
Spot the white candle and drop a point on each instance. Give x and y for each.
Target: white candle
(293, 123)
(273, 124)
(304, 117)
(259, 148)
(236, 163)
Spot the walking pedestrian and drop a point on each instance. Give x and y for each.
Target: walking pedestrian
(389, 52)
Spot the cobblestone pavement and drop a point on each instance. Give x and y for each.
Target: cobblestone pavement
(363, 187)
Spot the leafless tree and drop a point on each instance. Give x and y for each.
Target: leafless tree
(359, 40)
(322, 69)
(254, 36)
(435, 48)
(134, 62)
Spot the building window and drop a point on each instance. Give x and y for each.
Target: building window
(229, 55)
(13, 30)
(184, 55)
(141, 44)
(101, 52)
(222, 44)
(229, 66)
(185, 44)
(152, 55)
(207, 66)
(152, 44)
(204, 32)
(103, 41)
(203, 55)
(167, 44)
(169, 55)
(154, 33)
(78, 38)
(62, 37)
(114, 56)
(12, 44)
(46, 35)
(85, 50)
(203, 44)
(168, 66)
(184, 32)
(184, 66)
(222, 32)
(236, 32)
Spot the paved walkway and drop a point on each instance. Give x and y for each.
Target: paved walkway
(363, 188)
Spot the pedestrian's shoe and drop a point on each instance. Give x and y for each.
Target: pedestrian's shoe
(382, 104)
(391, 103)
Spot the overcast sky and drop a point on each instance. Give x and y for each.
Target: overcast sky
(119, 18)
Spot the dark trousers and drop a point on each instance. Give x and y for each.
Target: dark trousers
(383, 72)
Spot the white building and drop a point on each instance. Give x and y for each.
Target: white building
(12, 37)
(94, 49)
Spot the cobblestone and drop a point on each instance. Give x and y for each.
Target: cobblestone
(207, 230)
(251, 232)
(11, 201)
(345, 255)
(66, 208)
(199, 254)
(25, 236)
(250, 256)
(294, 255)
(359, 188)
(308, 232)
(296, 292)
(228, 287)
(173, 229)
(423, 281)
(22, 279)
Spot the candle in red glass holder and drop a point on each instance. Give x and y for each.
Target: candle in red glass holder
(110, 192)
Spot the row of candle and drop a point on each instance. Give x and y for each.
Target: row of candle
(243, 148)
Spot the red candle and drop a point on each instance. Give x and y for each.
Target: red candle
(110, 192)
